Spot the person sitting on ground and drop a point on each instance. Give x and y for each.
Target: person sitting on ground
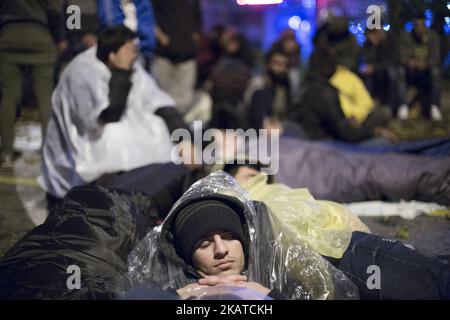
(271, 102)
(109, 116)
(290, 46)
(379, 68)
(356, 101)
(320, 112)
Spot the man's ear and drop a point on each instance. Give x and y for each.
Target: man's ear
(111, 57)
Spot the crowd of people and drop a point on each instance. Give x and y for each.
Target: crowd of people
(212, 76)
(111, 95)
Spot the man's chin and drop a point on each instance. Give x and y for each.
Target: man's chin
(228, 272)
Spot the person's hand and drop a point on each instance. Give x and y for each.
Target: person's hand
(420, 65)
(62, 46)
(254, 286)
(125, 56)
(386, 133)
(234, 280)
(353, 122)
(186, 151)
(413, 64)
(89, 40)
(271, 124)
(368, 70)
(162, 37)
(216, 280)
(191, 290)
(196, 38)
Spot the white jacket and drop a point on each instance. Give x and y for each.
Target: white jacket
(78, 149)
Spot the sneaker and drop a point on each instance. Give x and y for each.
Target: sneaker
(7, 162)
(436, 114)
(403, 112)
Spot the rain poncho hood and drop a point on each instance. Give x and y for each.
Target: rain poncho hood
(276, 257)
(78, 149)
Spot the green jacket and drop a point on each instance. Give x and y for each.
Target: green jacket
(29, 30)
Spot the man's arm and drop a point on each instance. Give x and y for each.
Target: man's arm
(56, 21)
(119, 88)
(172, 118)
(330, 110)
(434, 56)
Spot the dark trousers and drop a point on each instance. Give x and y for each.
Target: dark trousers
(404, 273)
(383, 84)
(428, 83)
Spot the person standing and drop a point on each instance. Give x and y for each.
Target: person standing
(177, 32)
(32, 32)
(420, 56)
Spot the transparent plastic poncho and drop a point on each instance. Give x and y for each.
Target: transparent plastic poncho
(277, 257)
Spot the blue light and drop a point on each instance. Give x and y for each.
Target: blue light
(386, 27)
(360, 27)
(409, 26)
(309, 4)
(360, 39)
(294, 22)
(305, 27)
(447, 29)
(447, 20)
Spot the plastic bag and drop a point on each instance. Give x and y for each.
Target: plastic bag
(327, 226)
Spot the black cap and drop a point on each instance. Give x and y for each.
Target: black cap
(201, 217)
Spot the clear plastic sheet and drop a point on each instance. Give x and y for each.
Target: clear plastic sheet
(277, 257)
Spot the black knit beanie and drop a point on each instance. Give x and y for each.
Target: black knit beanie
(200, 218)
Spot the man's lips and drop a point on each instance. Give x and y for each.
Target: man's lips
(225, 264)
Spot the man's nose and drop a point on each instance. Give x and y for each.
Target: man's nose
(220, 247)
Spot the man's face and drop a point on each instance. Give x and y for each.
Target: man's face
(218, 253)
(419, 26)
(127, 53)
(244, 174)
(290, 46)
(278, 65)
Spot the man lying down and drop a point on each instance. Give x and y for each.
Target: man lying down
(216, 241)
(253, 253)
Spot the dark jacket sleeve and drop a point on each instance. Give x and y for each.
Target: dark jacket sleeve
(164, 199)
(434, 56)
(56, 20)
(275, 294)
(172, 118)
(157, 10)
(198, 21)
(119, 87)
(260, 108)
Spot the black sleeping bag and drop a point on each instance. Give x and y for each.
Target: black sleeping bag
(93, 229)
